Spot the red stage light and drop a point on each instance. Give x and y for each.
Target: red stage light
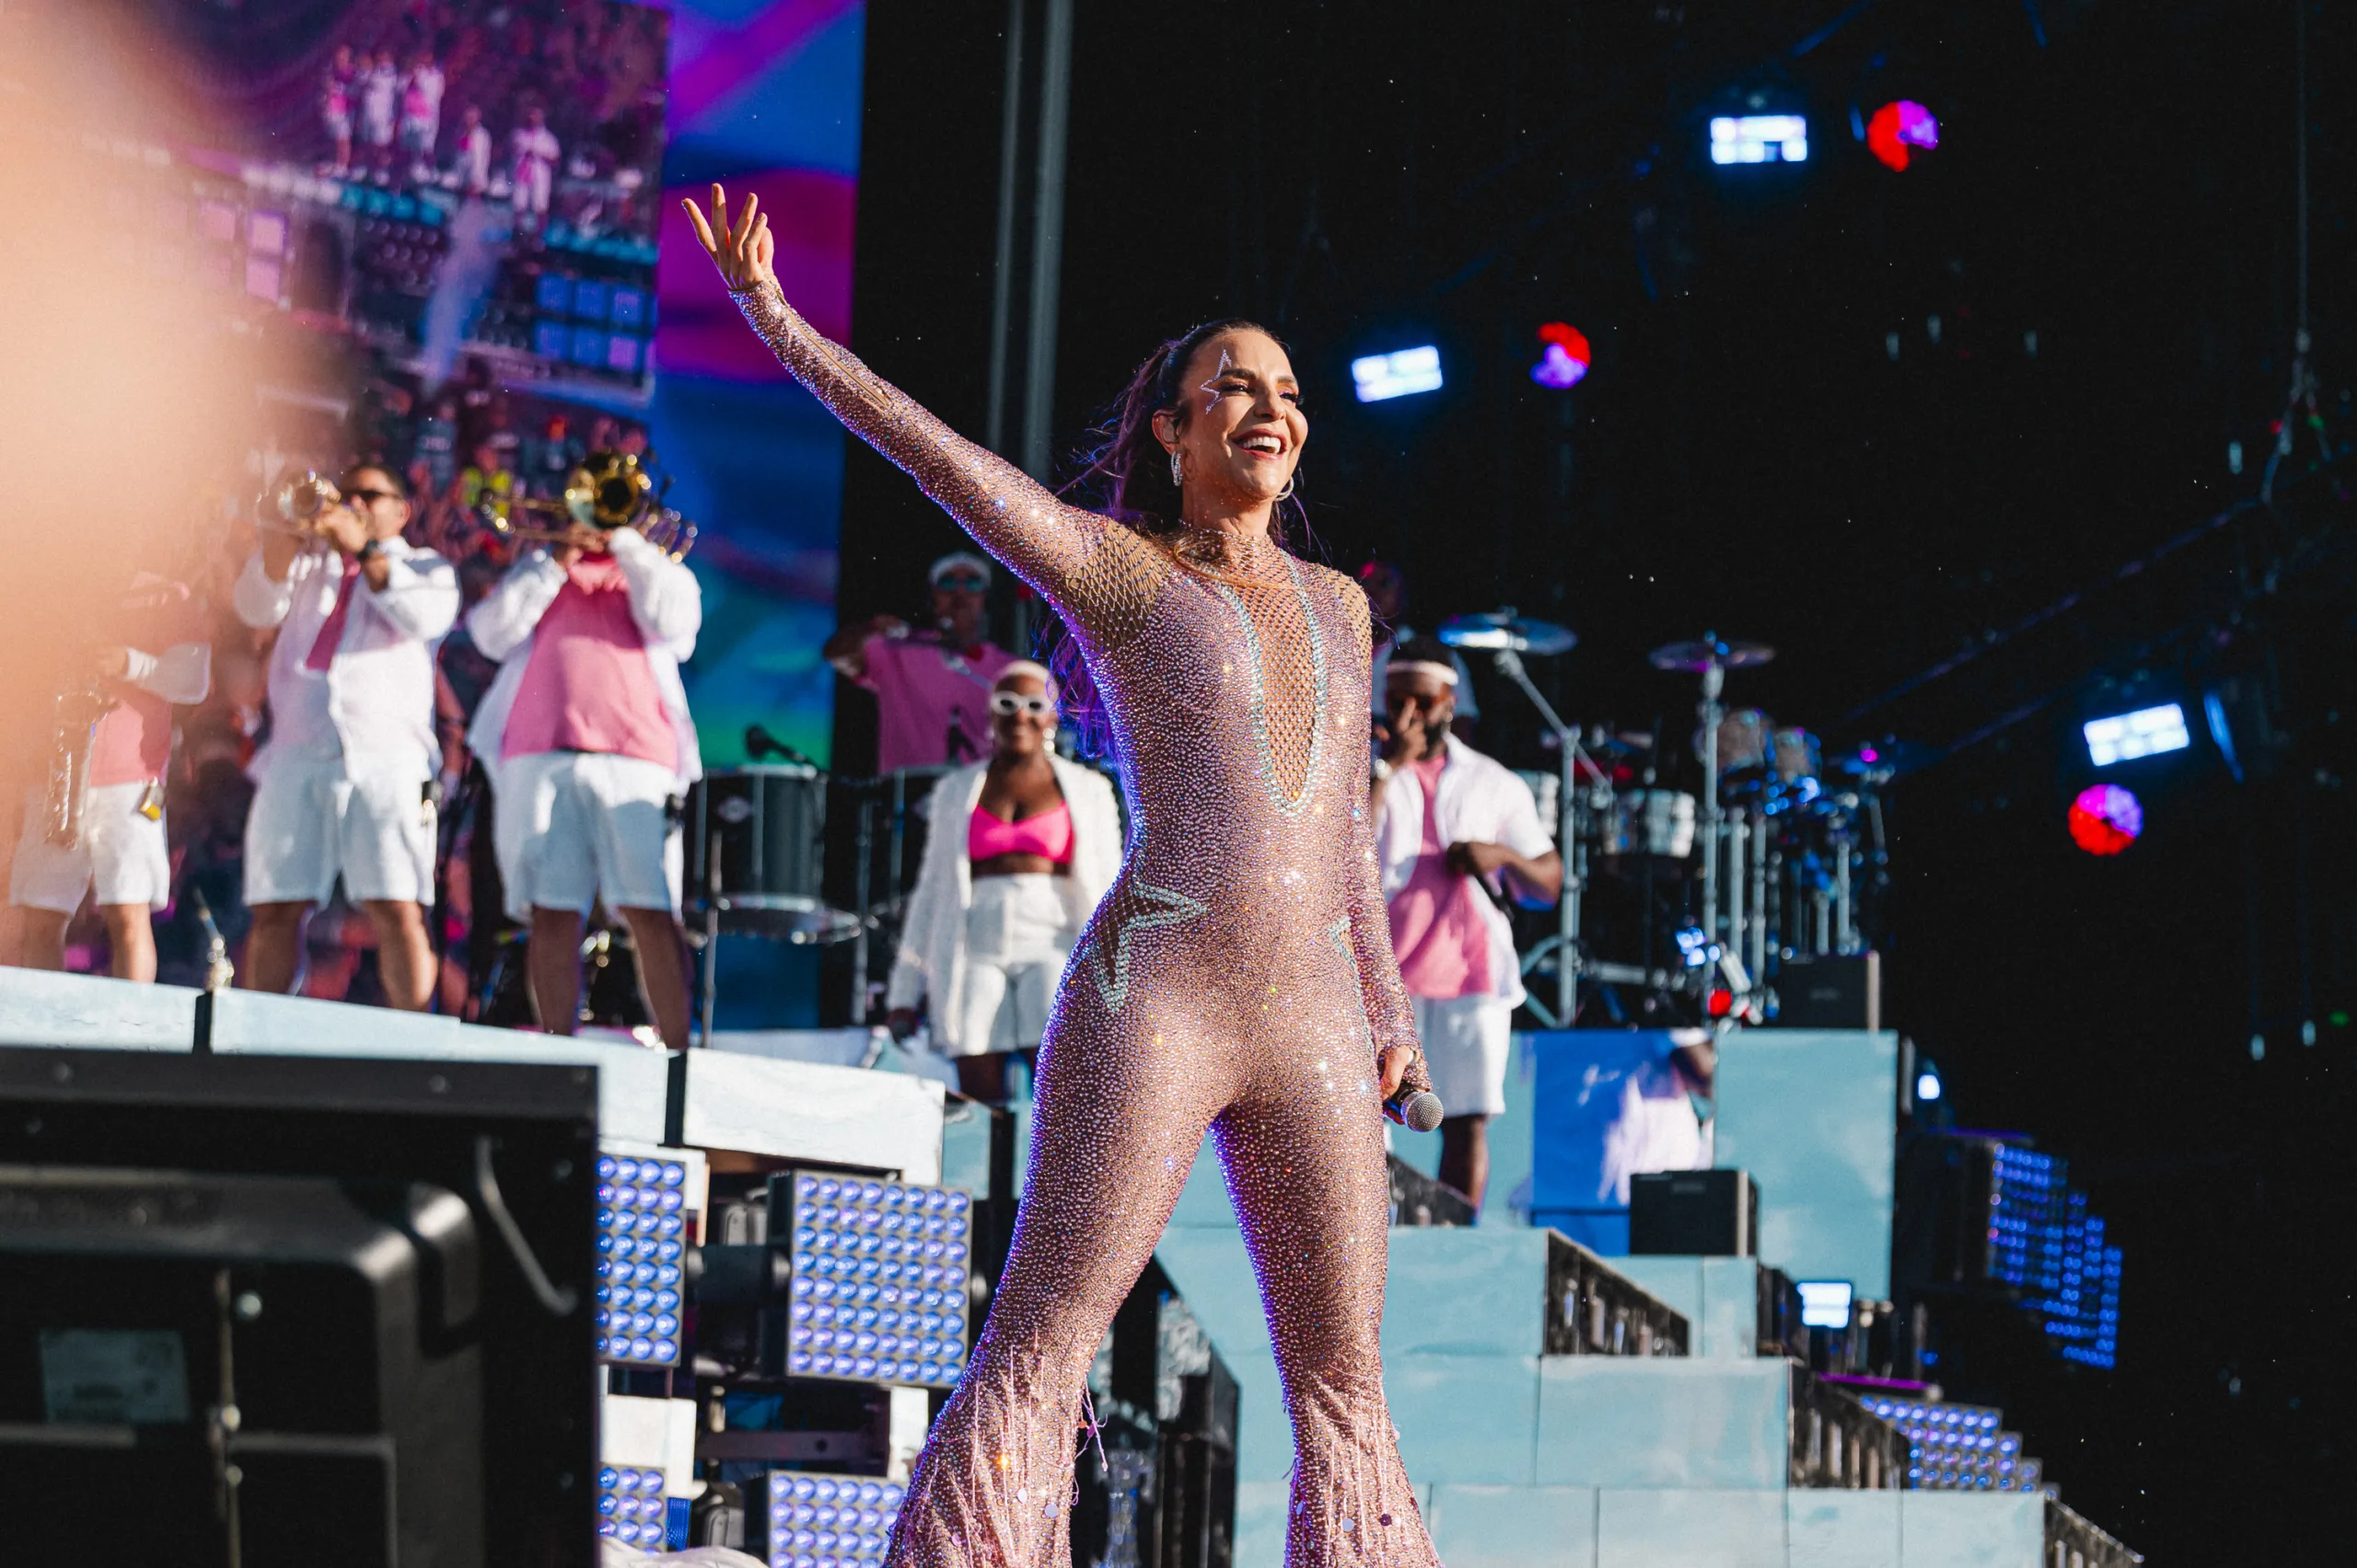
(1720, 1002)
(2105, 819)
(1898, 127)
(1564, 361)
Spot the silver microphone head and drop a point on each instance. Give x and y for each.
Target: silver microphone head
(1422, 1111)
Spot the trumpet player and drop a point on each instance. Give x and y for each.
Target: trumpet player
(342, 787)
(587, 738)
(118, 847)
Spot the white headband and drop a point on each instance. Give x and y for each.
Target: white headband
(1446, 674)
(1030, 668)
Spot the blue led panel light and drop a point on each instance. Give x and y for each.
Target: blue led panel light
(632, 1507)
(642, 1236)
(878, 1292)
(829, 1521)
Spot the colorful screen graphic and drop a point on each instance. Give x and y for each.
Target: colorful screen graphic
(764, 98)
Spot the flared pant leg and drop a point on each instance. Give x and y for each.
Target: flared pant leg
(1117, 1122)
(1304, 1155)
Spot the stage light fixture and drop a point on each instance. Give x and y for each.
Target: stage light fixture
(1825, 1304)
(878, 1291)
(1759, 138)
(2144, 731)
(1927, 1086)
(1395, 375)
(1898, 128)
(2105, 819)
(643, 1236)
(829, 1521)
(1564, 359)
(632, 1507)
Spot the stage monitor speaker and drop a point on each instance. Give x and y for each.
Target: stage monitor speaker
(1829, 993)
(1712, 1214)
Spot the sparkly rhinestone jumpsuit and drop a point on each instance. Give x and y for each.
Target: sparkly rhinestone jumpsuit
(1238, 977)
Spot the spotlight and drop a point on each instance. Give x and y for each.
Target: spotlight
(2105, 819)
(1825, 1304)
(827, 1521)
(1565, 359)
(1395, 375)
(1760, 138)
(643, 1208)
(1927, 1086)
(878, 1291)
(2145, 732)
(1896, 128)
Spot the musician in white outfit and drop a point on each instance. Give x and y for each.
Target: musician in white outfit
(119, 851)
(343, 786)
(587, 740)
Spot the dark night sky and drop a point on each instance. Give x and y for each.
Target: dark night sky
(1748, 456)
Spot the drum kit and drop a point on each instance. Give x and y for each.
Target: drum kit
(1693, 896)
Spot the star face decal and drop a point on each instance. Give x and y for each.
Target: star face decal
(1112, 974)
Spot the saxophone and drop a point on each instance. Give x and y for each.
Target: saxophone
(76, 711)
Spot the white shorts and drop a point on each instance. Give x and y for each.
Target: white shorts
(122, 851)
(1466, 1041)
(312, 823)
(575, 827)
(1017, 941)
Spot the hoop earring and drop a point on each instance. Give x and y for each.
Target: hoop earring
(1286, 493)
(1178, 479)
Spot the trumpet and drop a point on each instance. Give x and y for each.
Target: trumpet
(302, 504)
(608, 491)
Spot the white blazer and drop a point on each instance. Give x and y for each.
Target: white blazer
(380, 683)
(932, 960)
(665, 599)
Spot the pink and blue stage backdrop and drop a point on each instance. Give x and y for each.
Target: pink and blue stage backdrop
(765, 97)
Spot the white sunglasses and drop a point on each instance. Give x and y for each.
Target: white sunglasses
(1008, 702)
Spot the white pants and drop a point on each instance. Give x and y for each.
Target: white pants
(575, 827)
(1465, 1040)
(122, 851)
(1017, 941)
(312, 821)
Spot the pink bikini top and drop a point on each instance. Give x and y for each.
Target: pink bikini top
(1048, 834)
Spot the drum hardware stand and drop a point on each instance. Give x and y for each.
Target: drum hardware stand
(1758, 956)
(708, 964)
(1565, 944)
(1710, 710)
(863, 851)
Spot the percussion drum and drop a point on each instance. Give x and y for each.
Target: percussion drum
(1651, 821)
(756, 849)
(1796, 755)
(1743, 739)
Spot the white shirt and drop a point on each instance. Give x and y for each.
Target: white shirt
(374, 704)
(1480, 801)
(665, 600)
(535, 150)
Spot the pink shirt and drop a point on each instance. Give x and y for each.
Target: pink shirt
(587, 686)
(134, 741)
(933, 702)
(1436, 927)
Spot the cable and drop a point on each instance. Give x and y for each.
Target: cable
(557, 1301)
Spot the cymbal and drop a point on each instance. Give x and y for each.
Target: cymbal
(1709, 651)
(1504, 628)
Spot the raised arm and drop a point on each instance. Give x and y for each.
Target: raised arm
(1062, 551)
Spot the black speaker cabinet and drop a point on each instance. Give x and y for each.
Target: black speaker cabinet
(1711, 1213)
(1829, 993)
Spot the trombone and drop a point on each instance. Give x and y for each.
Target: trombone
(608, 491)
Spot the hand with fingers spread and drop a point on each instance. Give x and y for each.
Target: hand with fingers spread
(742, 250)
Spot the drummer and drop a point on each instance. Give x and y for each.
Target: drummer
(932, 688)
(1387, 594)
(1022, 848)
(1445, 819)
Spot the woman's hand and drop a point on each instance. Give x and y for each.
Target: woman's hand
(742, 252)
(1395, 1067)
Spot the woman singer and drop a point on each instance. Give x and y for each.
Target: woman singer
(1238, 977)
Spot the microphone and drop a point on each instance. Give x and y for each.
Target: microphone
(760, 742)
(1419, 1111)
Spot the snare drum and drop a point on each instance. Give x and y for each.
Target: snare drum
(1744, 740)
(1651, 821)
(756, 845)
(1796, 755)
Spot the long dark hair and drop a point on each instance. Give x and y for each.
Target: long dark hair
(1127, 477)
